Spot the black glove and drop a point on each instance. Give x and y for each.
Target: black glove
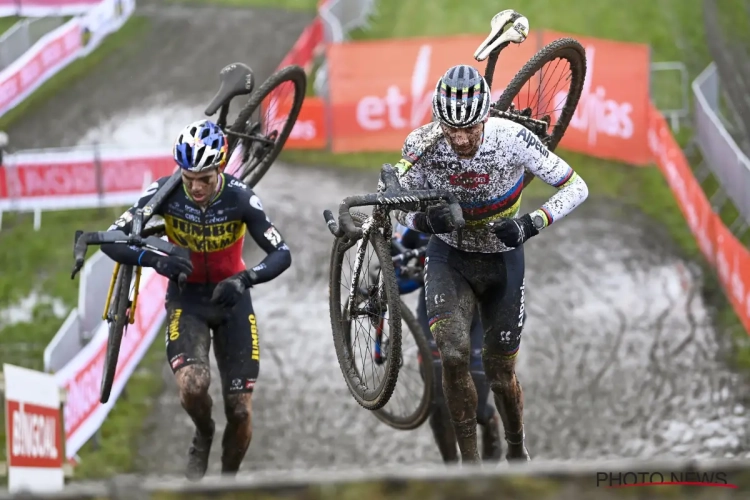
(169, 266)
(437, 220)
(229, 291)
(515, 232)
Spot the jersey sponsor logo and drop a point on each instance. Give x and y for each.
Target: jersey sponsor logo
(273, 236)
(522, 308)
(204, 238)
(255, 203)
(532, 140)
(469, 180)
(236, 183)
(255, 353)
(192, 217)
(445, 164)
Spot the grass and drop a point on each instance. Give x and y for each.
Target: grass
(7, 22)
(41, 261)
(303, 5)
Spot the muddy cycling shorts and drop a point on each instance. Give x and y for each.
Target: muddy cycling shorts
(457, 281)
(191, 318)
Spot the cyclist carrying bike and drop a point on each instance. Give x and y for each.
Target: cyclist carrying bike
(481, 160)
(210, 215)
(440, 423)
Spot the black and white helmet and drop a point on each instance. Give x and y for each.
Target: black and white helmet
(462, 97)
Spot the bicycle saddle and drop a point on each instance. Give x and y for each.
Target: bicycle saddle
(236, 79)
(516, 34)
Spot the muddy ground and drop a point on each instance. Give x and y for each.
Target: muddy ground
(618, 358)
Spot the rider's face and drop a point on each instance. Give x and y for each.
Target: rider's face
(201, 186)
(465, 142)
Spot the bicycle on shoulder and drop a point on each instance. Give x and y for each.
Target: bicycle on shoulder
(370, 302)
(466, 120)
(255, 139)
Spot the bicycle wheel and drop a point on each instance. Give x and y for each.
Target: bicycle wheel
(567, 60)
(372, 350)
(272, 131)
(411, 402)
(120, 306)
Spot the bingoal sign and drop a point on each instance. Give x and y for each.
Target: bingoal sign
(33, 430)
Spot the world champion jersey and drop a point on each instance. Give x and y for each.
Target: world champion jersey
(487, 186)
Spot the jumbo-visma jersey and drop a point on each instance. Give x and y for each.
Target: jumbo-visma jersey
(214, 236)
(488, 186)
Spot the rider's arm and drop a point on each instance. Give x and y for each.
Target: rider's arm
(124, 254)
(411, 177)
(572, 190)
(278, 257)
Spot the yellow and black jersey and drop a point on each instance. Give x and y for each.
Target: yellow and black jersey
(215, 235)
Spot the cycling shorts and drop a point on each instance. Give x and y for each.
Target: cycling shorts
(457, 281)
(190, 320)
(476, 335)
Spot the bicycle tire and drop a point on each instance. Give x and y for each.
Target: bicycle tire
(371, 399)
(422, 412)
(297, 76)
(563, 48)
(116, 329)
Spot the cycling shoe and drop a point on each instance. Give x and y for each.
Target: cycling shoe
(198, 454)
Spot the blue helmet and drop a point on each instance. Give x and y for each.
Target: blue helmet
(201, 146)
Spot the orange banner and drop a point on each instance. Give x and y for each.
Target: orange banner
(612, 117)
(381, 90)
(309, 130)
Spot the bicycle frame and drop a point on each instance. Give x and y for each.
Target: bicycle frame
(389, 196)
(135, 238)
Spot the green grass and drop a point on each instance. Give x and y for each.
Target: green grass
(7, 22)
(308, 5)
(131, 30)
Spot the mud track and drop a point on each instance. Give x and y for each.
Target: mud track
(618, 357)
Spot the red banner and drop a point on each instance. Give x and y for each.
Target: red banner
(34, 438)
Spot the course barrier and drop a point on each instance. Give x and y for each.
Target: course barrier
(536, 480)
(60, 47)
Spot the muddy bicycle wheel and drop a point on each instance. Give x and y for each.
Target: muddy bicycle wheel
(368, 344)
(411, 402)
(560, 62)
(269, 131)
(120, 306)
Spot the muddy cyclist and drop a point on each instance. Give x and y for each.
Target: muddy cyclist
(481, 160)
(210, 215)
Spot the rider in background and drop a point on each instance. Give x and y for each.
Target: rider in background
(440, 423)
(210, 214)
